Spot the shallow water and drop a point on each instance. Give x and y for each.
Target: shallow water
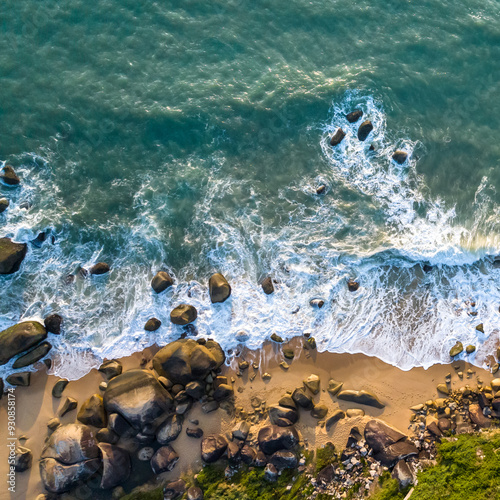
(191, 136)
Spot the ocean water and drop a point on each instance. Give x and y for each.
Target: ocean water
(191, 136)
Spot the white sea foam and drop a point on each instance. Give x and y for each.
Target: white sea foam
(376, 234)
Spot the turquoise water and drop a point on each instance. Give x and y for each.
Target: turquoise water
(192, 135)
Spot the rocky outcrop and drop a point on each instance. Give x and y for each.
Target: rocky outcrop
(282, 416)
(213, 447)
(272, 438)
(164, 459)
(32, 356)
(11, 255)
(20, 338)
(361, 397)
(186, 360)
(161, 282)
(302, 399)
(364, 130)
(312, 383)
(219, 288)
(139, 398)
(92, 412)
(183, 314)
(116, 465)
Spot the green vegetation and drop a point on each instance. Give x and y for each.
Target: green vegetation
(156, 494)
(325, 456)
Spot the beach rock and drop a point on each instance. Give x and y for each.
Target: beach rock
(21, 379)
(470, 349)
(53, 323)
(403, 474)
(361, 397)
(194, 493)
(233, 452)
(379, 435)
(248, 454)
(32, 356)
(53, 423)
(99, 268)
(364, 130)
(287, 401)
(138, 397)
(477, 417)
(19, 338)
(319, 411)
(107, 436)
(145, 454)
(152, 325)
(164, 459)
(219, 288)
(174, 490)
(92, 412)
(58, 478)
(9, 176)
(195, 390)
(267, 286)
(70, 404)
(337, 137)
(355, 412)
(288, 353)
(302, 399)
(354, 116)
(240, 430)
(284, 460)
(186, 360)
(4, 204)
(161, 281)
(111, 368)
(399, 156)
(444, 425)
(312, 383)
(59, 387)
(183, 314)
(116, 465)
(480, 328)
(276, 338)
(456, 349)
(222, 392)
(260, 459)
(271, 473)
(194, 432)
(391, 454)
(272, 438)
(11, 255)
(335, 417)
(213, 447)
(282, 416)
(71, 443)
(443, 389)
(209, 406)
(334, 387)
(23, 459)
(352, 285)
(433, 428)
(169, 430)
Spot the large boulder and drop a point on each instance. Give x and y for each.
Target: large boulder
(9, 176)
(284, 459)
(354, 116)
(169, 430)
(283, 416)
(219, 288)
(361, 397)
(161, 282)
(164, 459)
(115, 465)
(139, 398)
(364, 130)
(393, 453)
(32, 356)
(183, 314)
(213, 447)
(337, 137)
(58, 478)
(19, 338)
(92, 412)
(186, 360)
(11, 255)
(273, 438)
(53, 323)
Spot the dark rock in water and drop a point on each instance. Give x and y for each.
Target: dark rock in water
(53, 323)
(284, 460)
(39, 240)
(334, 418)
(194, 432)
(161, 282)
(395, 452)
(219, 288)
(364, 130)
(183, 314)
(107, 436)
(48, 363)
(118, 424)
(116, 465)
(399, 156)
(71, 443)
(70, 404)
(361, 397)
(23, 459)
(272, 438)
(111, 368)
(164, 459)
(319, 303)
(186, 360)
(271, 473)
(352, 285)
(379, 435)
(302, 399)
(174, 490)
(139, 398)
(282, 416)
(99, 268)
(92, 412)
(152, 324)
(58, 478)
(456, 349)
(427, 268)
(337, 137)
(169, 430)
(194, 493)
(8, 176)
(371, 148)
(59, 387)
(276, 338)
(321, 189)
(403, 474)
(267, 286)
(4, 204)
(354, 116)
(19, 338)
(37, 353)
(213, 447)
(11, 255)
(21, 379)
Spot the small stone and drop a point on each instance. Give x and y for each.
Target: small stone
(183, 314)
(352, 285)
(288, 353)
(69, 405)
(111, 368)
(266, 376)
(59, 387)
(319, 411)
(442, 388)
(480, 328)
(145, 454)
(495, 368)
(99, 268)
(334, 387)
(318, 303)
(334, 418)
(103, 386)
(284, 365)
(337, 137)
(310, 343)
(241, 430)
(276, 338)
(355, 412)
(267, 285)
(364, 130)
(399, 156)
(321, 189)
(4, 203)
(243, 365)
(209, 406)
(53, 423)
(53, 323)
(8, 176)
(456, 349)
(21, 379)
(23, 459)
(194, 432)
(161, 282)
(152, 324)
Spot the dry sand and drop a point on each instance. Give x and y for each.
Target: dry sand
(397, 389)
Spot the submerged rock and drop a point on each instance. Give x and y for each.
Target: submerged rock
(161, 282)
(11, 255)
(219, 288)
(183, 314)
(337, 137)
(399, 156)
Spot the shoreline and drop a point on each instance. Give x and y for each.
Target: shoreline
(397, 389)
